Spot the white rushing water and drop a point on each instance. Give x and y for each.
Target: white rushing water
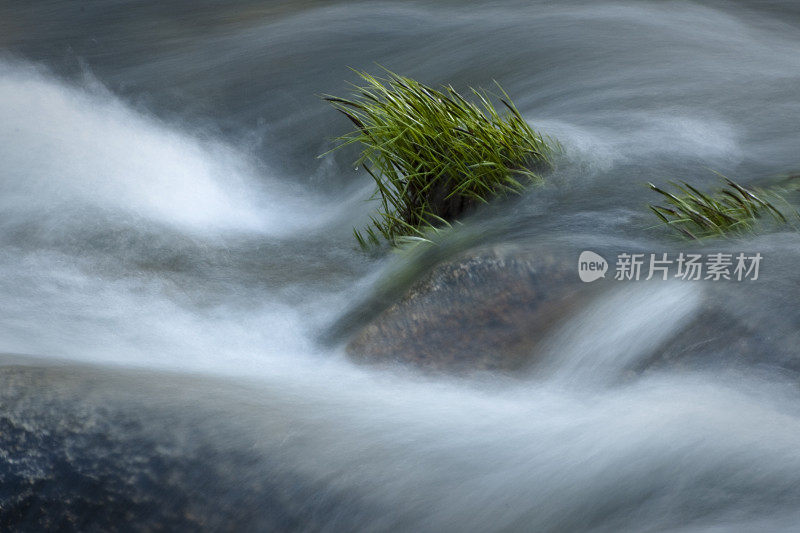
(76, 161)
(129, 238)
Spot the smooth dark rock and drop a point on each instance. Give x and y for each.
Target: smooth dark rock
(83, 449)
(719, 338)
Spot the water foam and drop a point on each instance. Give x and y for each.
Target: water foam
(66, 148)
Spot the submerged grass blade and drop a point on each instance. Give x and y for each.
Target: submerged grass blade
(732, 209)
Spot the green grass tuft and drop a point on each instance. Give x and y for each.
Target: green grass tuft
(734, 209)
(434, 155)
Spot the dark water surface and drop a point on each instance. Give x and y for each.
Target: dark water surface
(162, 206)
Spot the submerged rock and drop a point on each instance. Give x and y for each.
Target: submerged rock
(85, 449)
(719, 337)
(485, 310)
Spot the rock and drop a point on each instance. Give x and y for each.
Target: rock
(485, 310)
(85, 449)
(720, 338)
(489, 309)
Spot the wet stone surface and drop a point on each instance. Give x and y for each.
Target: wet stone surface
(485, 310)
(82, 450)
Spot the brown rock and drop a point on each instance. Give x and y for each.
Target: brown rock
(485, 310)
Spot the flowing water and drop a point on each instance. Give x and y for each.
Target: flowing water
(162, 207)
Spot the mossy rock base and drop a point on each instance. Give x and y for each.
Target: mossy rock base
(485, 310)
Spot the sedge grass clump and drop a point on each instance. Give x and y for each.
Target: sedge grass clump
(434, 155)
(732, 209)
